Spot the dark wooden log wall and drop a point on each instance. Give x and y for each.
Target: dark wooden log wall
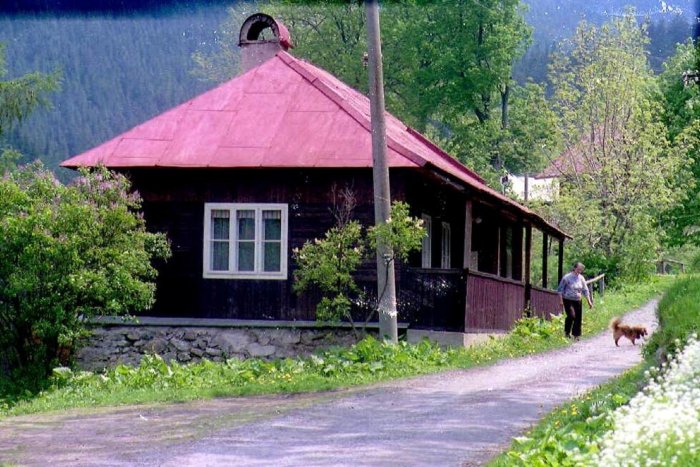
(174, 203)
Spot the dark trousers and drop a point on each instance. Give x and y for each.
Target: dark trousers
(574, 312)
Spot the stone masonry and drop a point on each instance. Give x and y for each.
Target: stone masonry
(110, 345)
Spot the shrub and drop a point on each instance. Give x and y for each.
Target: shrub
(329, 263)
(539, 327)
(68, 253)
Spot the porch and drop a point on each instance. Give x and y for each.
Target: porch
(484, 262)
(468, 301)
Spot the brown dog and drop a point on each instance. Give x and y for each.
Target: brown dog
(630, 332)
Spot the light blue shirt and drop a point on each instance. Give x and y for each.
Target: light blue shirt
(573, 286)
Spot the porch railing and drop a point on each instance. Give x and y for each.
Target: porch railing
(459, 300)
(544, 303)
(493, 302)
(425, 298)
(432, 298)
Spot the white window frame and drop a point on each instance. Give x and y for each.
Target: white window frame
(258, 272)
(426, 247)
(446, 246)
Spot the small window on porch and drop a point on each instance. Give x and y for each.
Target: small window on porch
(427, 253)
(507, 252)
(446, 255)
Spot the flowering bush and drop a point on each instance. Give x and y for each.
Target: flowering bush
(401, 231)
(661, 425)
(329, 263)
(68, 253)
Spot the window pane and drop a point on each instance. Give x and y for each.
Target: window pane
(219, 256)
(272, 259)
(246, 256)
(220, 224)
(446, 246)
(246, 224)
(272, 225)
(426, 259)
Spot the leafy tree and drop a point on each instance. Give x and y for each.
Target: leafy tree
(621, 172)
(447, 65)
(403, 232)
(20, 96)
(681, 104)
(68, 253)
(527, 144)
(681, 100)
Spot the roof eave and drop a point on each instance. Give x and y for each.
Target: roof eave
(526, 213)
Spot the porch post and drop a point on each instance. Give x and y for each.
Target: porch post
(545, 252)
(498, 250)
(468, 219)
(467, 256)
(560, 268)
(528, 258)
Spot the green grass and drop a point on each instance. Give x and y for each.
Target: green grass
(621, 301)
(679, 315)
(367, 362)
(576, 427)
(572, 426)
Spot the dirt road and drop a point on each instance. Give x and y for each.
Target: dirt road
(454, 418)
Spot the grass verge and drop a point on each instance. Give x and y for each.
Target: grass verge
(578, 432)
(571, 427)
(367, 362)
(679, 316)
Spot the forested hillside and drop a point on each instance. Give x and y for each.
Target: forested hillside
(669, 23)
(117, 71)
(123, 62)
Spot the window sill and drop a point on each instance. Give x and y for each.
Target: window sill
(238, 275)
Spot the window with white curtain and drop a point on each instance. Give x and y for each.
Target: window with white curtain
(446, 254)
(244, 240)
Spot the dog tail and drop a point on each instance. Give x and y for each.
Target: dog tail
(615, 323)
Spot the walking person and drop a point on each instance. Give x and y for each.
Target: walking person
(572, 289)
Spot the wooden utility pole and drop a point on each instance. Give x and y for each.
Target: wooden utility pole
(386, 286)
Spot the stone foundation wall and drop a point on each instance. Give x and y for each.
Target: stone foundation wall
(111, 345)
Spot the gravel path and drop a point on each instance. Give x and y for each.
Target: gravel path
(454, 418)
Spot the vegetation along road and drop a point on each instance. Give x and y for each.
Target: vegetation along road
(453, 418)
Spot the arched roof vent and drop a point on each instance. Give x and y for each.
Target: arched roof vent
(261, 37)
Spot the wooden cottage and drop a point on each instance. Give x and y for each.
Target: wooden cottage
(241, 175)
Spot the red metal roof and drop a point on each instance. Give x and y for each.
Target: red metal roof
(283, 113)
(576, 159)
